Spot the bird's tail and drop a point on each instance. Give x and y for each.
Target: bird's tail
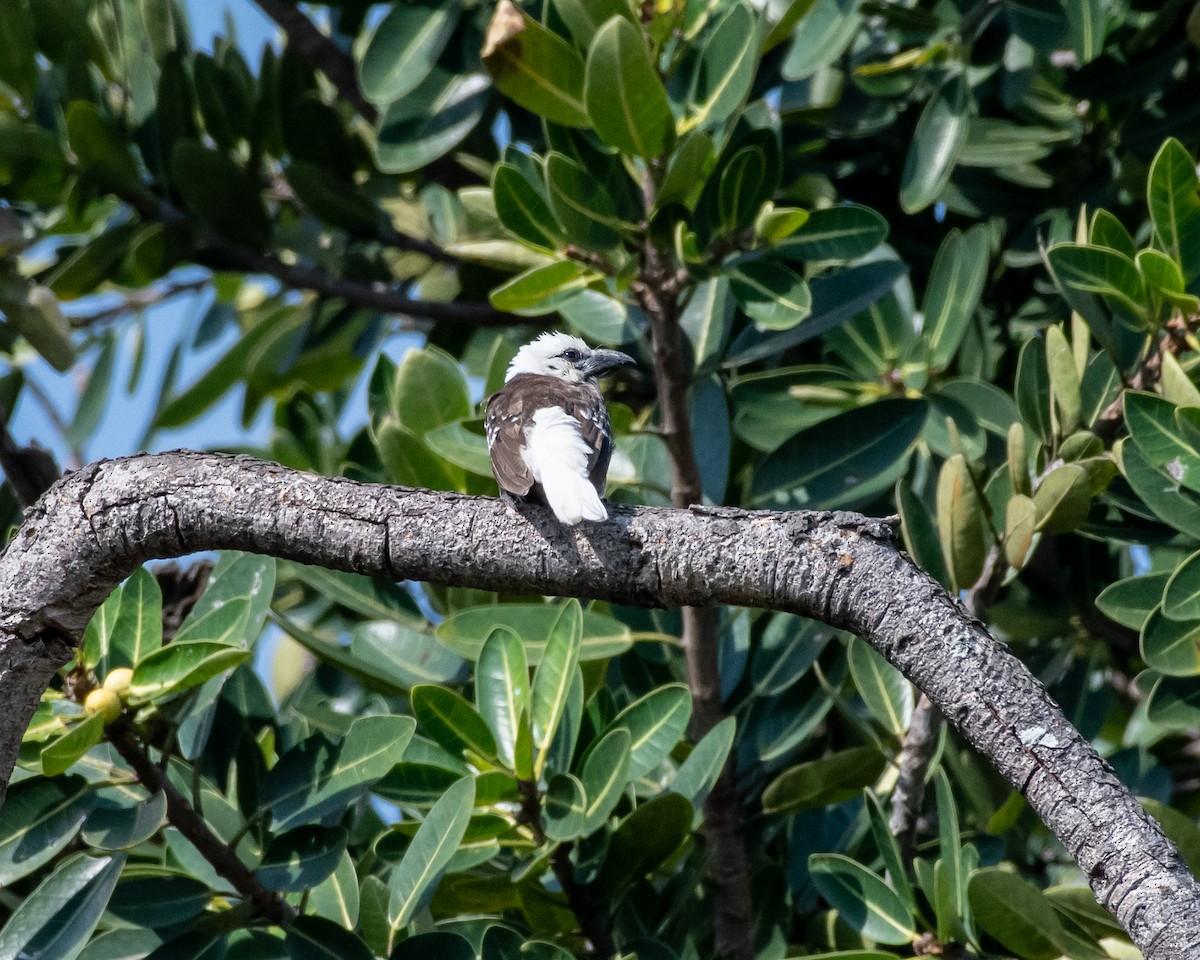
(558, 458)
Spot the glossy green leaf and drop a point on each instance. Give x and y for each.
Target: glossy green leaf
(502, 689)
(1161, 493)
(138, 628)
(101, 151)
(1129, 602)
(656, 722)
(300, 859)
(97, 638)
(319, 938)
(822, 467)
(39, 818)
(314, 777)
(918, 525)
(534, 67)
(625, 99)
(831, 779)
(553, 677)
(936, 142)
(795, 12)
(773, 295)
(1015, 912)
(523, 209)
(57, 918)
(452, 721)
(431, 121)
(180, 666)
(403, 50)
(952, 293)
(1086, 23)
(1171, 646)
(58, 755)
(1173, 195)
(863, 900)
(1033, 388)
(889, 849)
(585, 209)
(741, 191)
(539, 290)
(159, 901)
(336, 897)
(1181, 597)
(404, 654)
(844, 232)
(605, 774)
(698, 774)
(338, 202)
(1020, 526)
(1064, 380)
(725, 68)
(886, 693)
(822, 33)
(121, 828)
(565, 810)
(644, 841)
(692, 161)
(430, 851)
(466, 631)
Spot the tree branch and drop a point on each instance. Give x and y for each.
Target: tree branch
(220, 253)
(95, 526)
(314, 47)
(31, 470)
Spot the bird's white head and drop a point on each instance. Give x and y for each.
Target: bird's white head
(562, 355)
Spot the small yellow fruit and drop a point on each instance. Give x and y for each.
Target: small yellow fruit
(103, 702)
(118, 681)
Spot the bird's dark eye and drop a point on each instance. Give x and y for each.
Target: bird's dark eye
(571, 355)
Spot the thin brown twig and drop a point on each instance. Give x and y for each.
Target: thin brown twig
(136, 301)
(181, 815)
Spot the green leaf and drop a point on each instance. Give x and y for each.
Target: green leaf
(431, 121)
(300, 859)
(835, 299)
(1181, 597)
(822, 467)
(39, 818)
(656, 722)
(430, 390)
(605, 773)
(120, 828)
(1064, 380)
(314, 777)
(319, 938)
(693, 160)
(844, 232)
(644, 842)
(741, 191)
(827, 28)
(936, 142)
(403, 50)
(523, 209)
(159, 901)
(1020, 526)
(625, 98)
(326, 195)
(403, 654)
(1171, 646)
(585, 209)
(863, 900)
(725, 68)
(97, 638)
(220, 193)
(138, 628)
(59, 916)
(35, 314)
(1015, 912)
(796, 11)
(1176, 507)
(427, 856)
(1086, 21)
(180, 666)
(886, 693)
(336, 897)
(58, 755)
(889, 849)
(1173, 195)
(951, 862)
(1063, 498)
(553, 677)
(774, 296)
(918, 525)
(466, 631)
(452, 721)
(1129, 602)
(502, 689)
(101, 151)
(1033, 388)
(818, 783)
(534, 67)
(565, 809)
(700, 771)
(952, 294)
(541, 289)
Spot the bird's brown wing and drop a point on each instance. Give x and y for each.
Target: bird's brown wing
(586, 405)
(505, 423)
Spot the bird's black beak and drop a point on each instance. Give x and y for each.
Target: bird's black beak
(602, 361)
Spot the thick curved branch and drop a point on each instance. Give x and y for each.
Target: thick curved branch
(98, 524)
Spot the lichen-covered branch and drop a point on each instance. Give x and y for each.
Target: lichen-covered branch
(98, 524)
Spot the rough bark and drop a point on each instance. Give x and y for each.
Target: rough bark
(97, 524)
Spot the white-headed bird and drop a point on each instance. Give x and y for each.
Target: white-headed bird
(547, 429)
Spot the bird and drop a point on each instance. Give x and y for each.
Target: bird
(548, 431)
